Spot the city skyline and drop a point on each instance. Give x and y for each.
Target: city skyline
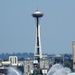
(18, 29)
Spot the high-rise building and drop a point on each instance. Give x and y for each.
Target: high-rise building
(73, 45)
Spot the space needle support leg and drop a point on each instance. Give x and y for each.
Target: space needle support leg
(38, 40)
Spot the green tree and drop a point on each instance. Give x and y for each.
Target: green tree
(69, 64)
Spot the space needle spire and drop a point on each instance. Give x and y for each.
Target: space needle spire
(38, 51)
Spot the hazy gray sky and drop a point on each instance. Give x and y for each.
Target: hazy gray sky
(18, 28)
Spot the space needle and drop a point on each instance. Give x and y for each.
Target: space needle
(38, 51)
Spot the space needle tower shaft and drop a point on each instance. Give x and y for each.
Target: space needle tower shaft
(38, 52)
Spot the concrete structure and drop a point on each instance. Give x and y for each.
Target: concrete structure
(73, 45)
(29, 65)
(58, 59)
(6, 63)
(13, 60)
(38, 51)
(45, 64)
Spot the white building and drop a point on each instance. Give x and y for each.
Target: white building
(28, 66)
(45, 64)
(73, 45)
(13, 60)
